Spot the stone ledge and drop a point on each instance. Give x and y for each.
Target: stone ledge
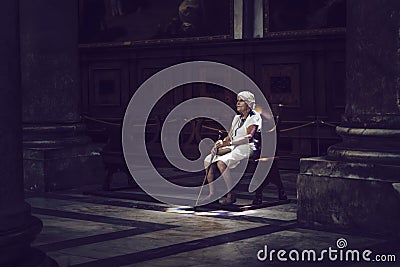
(62, 168)
(352, 196)
(321, 166)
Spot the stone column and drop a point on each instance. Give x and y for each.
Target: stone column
(18, 228)
(357, 185)
(57, 154)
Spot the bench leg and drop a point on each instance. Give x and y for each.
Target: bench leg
(107, 181)
(275, 178)
(111, 169)
(131, 181)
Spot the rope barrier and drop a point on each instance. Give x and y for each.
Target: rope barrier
(213, 129)
(317, 122)
(218, 130)
(273, 128)
(327, 123)
(112, 123)
(283, 130)
(101, 121)
(298, 127)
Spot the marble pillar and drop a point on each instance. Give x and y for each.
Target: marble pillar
(57, 153)
(18, 228)
(357, 185)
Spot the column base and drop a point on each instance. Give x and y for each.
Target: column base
(51, 169)
(367, 145)
(359, 197)
(15, 246)
(33, 258)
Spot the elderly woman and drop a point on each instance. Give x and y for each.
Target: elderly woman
(240, 142)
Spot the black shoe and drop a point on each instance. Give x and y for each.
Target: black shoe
(258, 199)
(228, 200)
(282, 195)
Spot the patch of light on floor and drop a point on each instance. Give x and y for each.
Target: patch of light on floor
(215, 213)
(180, 210)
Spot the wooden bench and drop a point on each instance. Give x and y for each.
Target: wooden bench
(114, 161)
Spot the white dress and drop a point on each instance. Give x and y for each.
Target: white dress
(238, 131)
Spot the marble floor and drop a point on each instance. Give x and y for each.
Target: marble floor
(88, 230)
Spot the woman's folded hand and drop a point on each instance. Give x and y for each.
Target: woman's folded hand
(219, 143)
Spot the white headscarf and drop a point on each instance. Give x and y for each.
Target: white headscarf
(248, 97)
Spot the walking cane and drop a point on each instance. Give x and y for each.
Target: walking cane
(208, 168)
